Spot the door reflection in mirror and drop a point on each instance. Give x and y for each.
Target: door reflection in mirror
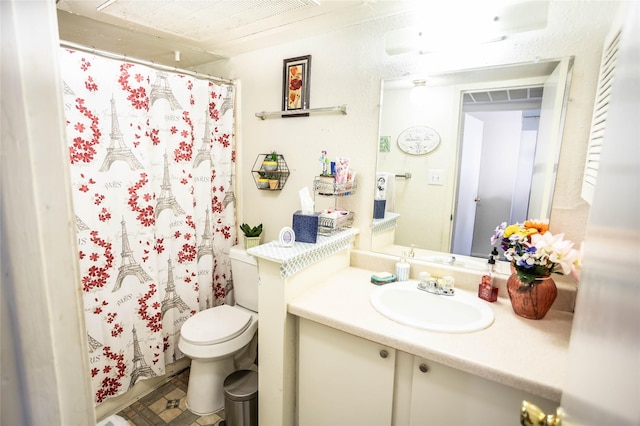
(496, 167)
(429, 211)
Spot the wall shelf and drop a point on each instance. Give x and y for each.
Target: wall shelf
(281, 173)
(279, 114)
(326, 186)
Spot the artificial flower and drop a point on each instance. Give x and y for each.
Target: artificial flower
(534, 251)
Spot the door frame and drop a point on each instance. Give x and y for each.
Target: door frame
(565, 65)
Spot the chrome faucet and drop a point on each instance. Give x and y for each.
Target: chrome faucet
(451, 260)
(443, 286)
(412, 252)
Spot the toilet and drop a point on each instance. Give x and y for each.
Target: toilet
(212, 337)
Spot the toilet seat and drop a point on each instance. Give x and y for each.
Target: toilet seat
(215, 325)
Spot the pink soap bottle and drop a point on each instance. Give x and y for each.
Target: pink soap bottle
(486, 289)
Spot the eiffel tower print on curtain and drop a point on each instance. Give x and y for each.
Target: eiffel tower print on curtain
(171, 298)
(80, 225)
(67, 89)
(229, 196)
(206, 245)
(129, 266)
(93, 343)
(140, 367)
(228, 288)
(160, 89)
(118, 149)
(204, 153)
(227, 101)
(166, 200)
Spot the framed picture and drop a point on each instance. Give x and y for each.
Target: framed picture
(295, 85)
(385, 144)
(287, 237)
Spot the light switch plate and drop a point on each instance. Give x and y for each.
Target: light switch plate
(435, 177)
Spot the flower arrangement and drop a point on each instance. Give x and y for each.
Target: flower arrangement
(534, 252)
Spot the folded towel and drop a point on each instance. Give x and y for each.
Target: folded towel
(385, 189)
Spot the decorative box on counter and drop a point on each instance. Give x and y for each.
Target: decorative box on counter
(305, 226)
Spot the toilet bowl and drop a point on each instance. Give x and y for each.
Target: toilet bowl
(212, 337)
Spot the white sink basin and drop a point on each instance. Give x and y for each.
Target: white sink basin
(404, 303)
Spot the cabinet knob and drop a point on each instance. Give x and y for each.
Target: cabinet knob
(424, 368)
(384, 353)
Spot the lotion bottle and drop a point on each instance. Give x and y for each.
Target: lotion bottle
(487, 289)
(402, 269)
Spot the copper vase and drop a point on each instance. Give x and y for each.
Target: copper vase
(532, 302)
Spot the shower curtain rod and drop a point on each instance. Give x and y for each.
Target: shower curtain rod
(75, 46)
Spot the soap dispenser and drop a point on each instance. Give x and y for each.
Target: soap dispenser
(487, 289)
(402, 268)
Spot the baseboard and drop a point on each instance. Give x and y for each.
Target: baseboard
(142, 388)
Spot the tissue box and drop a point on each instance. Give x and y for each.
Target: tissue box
(305, 226)
(378, 208)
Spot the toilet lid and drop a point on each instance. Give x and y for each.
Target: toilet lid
(215, 325)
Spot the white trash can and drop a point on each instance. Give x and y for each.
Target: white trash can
(241, 398)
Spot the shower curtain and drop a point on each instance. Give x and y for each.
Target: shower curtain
(152, 157)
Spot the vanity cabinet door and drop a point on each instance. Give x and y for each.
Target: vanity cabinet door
(442, 395)
(343, 379)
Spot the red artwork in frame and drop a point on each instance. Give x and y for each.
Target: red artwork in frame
(295, 85)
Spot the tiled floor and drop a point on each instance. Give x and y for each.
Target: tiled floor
(166, 406)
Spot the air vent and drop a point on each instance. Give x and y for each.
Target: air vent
(504, 96)
(598, 123)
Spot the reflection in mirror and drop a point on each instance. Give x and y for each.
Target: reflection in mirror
(498, 132)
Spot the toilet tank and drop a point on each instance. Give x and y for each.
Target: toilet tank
(244, 270)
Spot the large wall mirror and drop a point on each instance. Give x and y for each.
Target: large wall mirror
(462, 151)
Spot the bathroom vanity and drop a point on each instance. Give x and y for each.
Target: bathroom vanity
(328, 357)
(357, 367)
(346, 379)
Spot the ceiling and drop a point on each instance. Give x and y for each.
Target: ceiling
(205, 31)
(189, 33)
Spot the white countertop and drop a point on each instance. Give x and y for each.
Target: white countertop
(530, 355)
(300, 255)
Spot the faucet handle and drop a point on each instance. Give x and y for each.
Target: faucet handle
(448, 284)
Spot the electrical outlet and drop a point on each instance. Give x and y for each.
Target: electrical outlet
(435, 177)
